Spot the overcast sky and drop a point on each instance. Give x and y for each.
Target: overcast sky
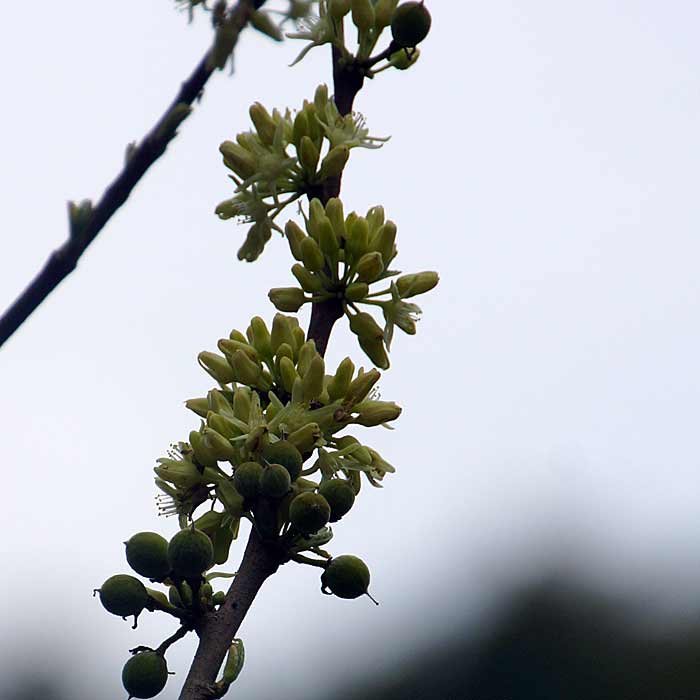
(544, 159)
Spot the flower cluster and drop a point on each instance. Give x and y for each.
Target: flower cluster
(340, 257)
(285, 157)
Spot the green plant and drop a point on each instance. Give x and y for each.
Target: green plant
(272, 446)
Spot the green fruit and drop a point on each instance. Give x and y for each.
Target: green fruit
(190, 552)
(340, 497)
(145, 674)
(174, 596)
(284, 453)
(275, 481)
(346, 576)
(147, 554)
(246, 479)
(309, 512)
(410, 24)
(123, 595)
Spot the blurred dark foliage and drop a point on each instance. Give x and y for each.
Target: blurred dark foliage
(552, 642)
(549, 642)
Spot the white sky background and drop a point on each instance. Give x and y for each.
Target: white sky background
(544, 158)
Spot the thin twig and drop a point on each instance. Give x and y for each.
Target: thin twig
(182, 632)
(64, 259)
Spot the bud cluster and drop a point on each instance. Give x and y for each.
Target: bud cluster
(286, 155)
(340, 257)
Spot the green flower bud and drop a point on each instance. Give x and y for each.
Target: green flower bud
(383, 12)
(307, 352)
(222, 544)
(311, 255)
(123, 595)
(334, 162)
(242, 403)
(384, 242)
(295, 235)
(298, 391)
(288, 374)
(356, 291)
(404, 58)
(359, 452)
(264, 124)
(308, 155)
(234, 662)
(259, 336)
(308, 281)
(417, 283)
(327, 240)
(206, 592)
(362, 14)
(357, 237)
(283, 452)
(275, 481)
(174, 597)
(299, 338)
(147, 555)
(364, 326)
(321, 98)
(217, 366)
(284, 350)
(219, 598)
(375, 219)
(339, 495)
(156, 597)
(230, 499)
(300, 128)
(340, 382)
(309, 512)
(338, 8)
(218, 445)
(198, 406)
(145, 674)
(190, 552)
(209, 523)
(238, 159)
(312, 381)
(370, 267)
(230, 347)
(376, 412)
(346, 576)
(282, 331)
(361, 386)
(306, 437)
(247, 479)
(287, 298)
(262, 22)
(186, 594)
(410, 24)
(334, 212)
(375, 350)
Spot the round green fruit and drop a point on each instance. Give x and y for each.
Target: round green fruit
(340, 497)
(309, 512)
(283, 452)
(145, 674)
(147, 554)
(346, 576)
(410, 24)
(123, 595)
(190, 552)
(246, 479)
(275, 481)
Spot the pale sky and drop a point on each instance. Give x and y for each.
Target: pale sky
(544, 159)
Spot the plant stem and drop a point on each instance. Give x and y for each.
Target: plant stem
(63, 260)
(261, 559)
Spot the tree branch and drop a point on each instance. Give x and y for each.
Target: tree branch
(64, 259)
(261, 558)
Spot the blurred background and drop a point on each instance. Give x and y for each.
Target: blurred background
(540, 537)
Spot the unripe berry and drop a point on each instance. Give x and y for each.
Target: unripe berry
(309, 512)
(410, 24)
(123, 595)
(275, 481)
(147, 554)
(145, 674)
(284, 453)
(346, 576)
(190, 552)
(246, 479)
(339, 495)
